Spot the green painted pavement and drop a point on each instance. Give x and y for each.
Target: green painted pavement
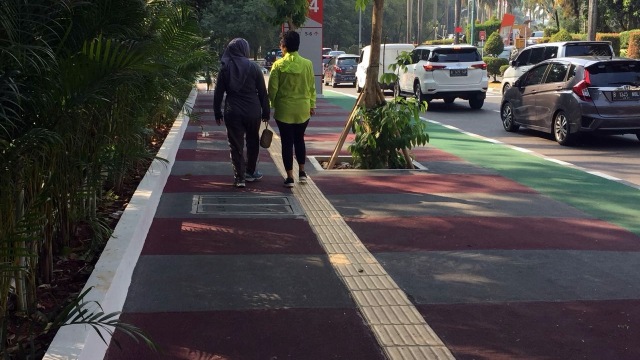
(601, 198)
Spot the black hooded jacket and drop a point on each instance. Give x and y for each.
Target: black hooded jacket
(242, 80)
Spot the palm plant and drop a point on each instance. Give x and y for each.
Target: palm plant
(82, 87)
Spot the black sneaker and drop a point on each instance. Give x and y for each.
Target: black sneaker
(239, 184)
(288, 182)
(302, 177)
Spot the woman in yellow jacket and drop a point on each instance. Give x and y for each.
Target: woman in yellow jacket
(292, 93)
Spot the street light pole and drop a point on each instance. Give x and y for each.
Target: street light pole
(360, 31)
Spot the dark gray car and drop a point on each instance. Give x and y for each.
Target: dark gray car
(341, 69)
(567, 96)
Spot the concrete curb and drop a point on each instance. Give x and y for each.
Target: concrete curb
(111, 276)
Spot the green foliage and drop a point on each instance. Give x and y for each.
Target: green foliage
(549, 31)
(624, 38)
(83, 85)
(80, 312)
(291, 12)
(494, 45)
(490, 26)
(494, 64)
(633, 51)
(614, 38)
(383, 132)
(562, 35)
(503, 68)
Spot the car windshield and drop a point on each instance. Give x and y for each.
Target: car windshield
(615, 73)
(347, 61)
(455, 55)
(588, 50)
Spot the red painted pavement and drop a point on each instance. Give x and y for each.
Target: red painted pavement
(230, 236)
(221, 183)
(602, 330)
(213, 155)
(296, 334)
(420, 183)
(424, 233)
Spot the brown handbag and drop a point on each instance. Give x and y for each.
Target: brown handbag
(266, 136)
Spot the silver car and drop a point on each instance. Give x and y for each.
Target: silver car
(568, 96)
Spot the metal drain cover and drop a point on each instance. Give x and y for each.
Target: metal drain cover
(253, 205)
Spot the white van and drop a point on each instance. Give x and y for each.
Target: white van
(388, 55)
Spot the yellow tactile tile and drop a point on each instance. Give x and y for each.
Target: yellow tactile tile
(398, 326)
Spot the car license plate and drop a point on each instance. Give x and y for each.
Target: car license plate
(622, 95)
(458, 72)
(348, 78)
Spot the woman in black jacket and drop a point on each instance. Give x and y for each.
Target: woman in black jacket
(245, 104)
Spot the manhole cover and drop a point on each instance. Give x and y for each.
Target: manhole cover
(245, 205)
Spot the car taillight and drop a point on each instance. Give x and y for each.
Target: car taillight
(433, 67)
(582, 88)
(482, 66)
(338, 69)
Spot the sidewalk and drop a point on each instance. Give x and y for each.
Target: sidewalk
(458, 260)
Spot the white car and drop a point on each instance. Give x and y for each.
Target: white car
(445, 72)
(534, 54)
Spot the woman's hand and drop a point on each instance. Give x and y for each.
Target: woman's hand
(312, 111)
(219, 121)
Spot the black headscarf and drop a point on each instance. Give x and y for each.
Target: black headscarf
(236, 60)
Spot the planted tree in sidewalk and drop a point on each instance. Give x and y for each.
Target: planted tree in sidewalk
(384, 130)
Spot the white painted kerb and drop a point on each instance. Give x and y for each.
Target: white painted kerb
(112, 274)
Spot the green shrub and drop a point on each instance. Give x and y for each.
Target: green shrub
(624, 38)
(549, 32)
(562, 35)
(633, 51)
(503, 68)
(579, 36)
(493, 65)
(613, 38)
(494, 44)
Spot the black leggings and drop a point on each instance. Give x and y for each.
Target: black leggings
(292, 136)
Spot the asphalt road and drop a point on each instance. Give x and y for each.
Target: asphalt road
(610, 156)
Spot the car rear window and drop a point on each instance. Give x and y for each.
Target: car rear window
(615, 73)
(347, 61)
(455, 55)
(588, 50)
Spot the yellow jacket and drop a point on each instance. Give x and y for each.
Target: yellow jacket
(292, 88)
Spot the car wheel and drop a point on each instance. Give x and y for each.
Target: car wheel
(353, 85)
(508, 121)
(417, 93)
(506, 87)
(449, 100)
(476, 103)
(561, 129)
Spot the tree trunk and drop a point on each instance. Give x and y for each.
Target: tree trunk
(373, 95)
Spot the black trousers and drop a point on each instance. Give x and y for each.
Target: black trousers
(292, 137)
(239, 127)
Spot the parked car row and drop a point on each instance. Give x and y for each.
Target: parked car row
(571, 88)
(562, 88)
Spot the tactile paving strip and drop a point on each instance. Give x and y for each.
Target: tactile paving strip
(396, 323)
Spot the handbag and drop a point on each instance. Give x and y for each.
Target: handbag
(266, 136)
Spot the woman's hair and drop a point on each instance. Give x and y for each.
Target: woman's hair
(291, 40)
